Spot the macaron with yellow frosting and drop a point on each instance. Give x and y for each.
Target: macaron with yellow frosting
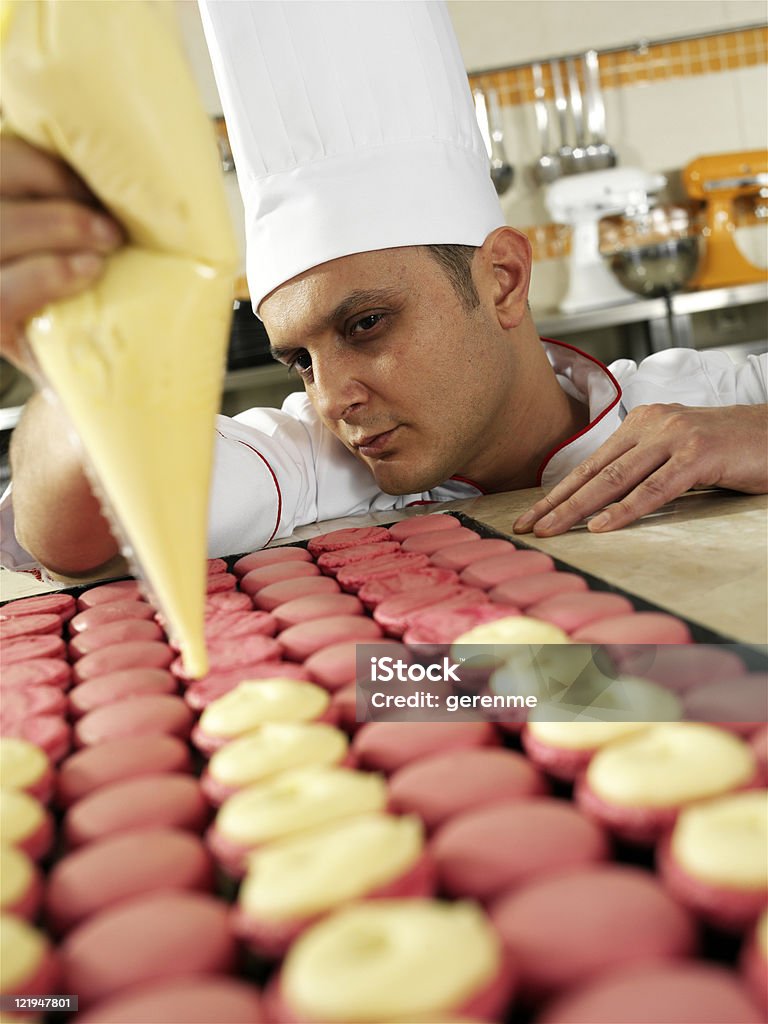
(291, 884)
(637, 786)
(716, 859)
(394, 960)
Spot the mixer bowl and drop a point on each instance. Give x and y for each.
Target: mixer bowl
(654, 252)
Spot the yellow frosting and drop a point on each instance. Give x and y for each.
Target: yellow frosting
(136, 361)
(670, 764)
(517, 629)
(298, 801)
(21, 763)
(313, 873)
(724, 842)
(277, 747)
(20, 816)
(581, 735)
(21, 950)
(255, 702)
(391, 960)
(17, 873)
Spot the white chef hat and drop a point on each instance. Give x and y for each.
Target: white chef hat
(352, 128)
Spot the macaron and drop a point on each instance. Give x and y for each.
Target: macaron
(379, 588)
(25, 823)
(428, 543)
(676, 993)
(153, 937)
(270, 556)
(524, 591)
(115, 686)
(483, 854)
(292, 884)
(240, 654)
(50, 732)
(25, 701)
(575, 611)
(301, 641)
(336, 666)
(122, 867)
(117, 760)
(637, 628)
(571, 927)
(423, 524)
(110, 633)
(28, 965)
(388, 746)
(25, 766)
(490, 573)
(21, 883)
(28, 648)
(226, 601)
(147, 801)
(258, 579)
(394, 613)
(421, 959)
(355, 576)
(129, 654)
(29, 625)
(112, 611)
(220, 583)
(119, 590)
(40, 672)
(272, 596)
(229, 626)
(138, 715)
(315, 606)
(254, 703)
(205, 691)
(465, 553)
(268, 751)
(444, 785)
(440, 625)
(193, 999)
(331, 561)
(739, 704)
(286, 805)
(60, 604)
(679, 667)
(715, 862)
(216, 566)
(637, 786)
(337, 540)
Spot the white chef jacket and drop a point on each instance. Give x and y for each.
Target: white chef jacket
(278, 469)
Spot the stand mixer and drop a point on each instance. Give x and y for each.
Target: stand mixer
(724, 181)
(582, 201)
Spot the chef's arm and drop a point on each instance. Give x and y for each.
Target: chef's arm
(658, 453)
(53, 240)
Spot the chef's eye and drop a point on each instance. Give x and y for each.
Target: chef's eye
(366, 323)
(302, 364)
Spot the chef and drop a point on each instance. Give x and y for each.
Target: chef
(380, 263)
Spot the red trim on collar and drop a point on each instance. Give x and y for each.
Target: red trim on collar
(466, 480)
(570, 440)
(274, 480)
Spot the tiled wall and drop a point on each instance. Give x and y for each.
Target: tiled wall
(666, 103)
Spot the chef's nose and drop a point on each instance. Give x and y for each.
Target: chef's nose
(338, 391)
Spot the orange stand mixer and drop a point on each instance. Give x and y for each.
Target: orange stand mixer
(725, 181)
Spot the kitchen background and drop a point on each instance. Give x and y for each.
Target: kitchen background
(679, 79)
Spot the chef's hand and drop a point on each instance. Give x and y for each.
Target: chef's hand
(53, 238)
(658, 453)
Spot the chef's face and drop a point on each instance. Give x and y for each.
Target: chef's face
(411, 381)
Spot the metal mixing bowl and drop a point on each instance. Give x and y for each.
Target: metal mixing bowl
(653, 252)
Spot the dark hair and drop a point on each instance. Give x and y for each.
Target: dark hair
(456, 261)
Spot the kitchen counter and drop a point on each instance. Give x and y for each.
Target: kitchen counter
(703, 557)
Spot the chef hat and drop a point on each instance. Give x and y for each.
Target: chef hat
(352, 129)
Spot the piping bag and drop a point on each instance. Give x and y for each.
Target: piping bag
(136, 362)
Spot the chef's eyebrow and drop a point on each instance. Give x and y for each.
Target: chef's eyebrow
(355, 302)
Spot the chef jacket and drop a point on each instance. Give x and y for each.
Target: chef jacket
(278, 469)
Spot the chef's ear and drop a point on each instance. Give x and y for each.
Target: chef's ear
(505, 269)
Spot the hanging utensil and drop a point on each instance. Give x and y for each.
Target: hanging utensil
(564, 151)
(488, 113)
(579, 152)
(548, 166)
(600, 154)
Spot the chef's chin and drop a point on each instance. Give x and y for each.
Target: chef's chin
(395, 476)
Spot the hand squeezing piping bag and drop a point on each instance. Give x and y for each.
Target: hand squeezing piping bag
(136, 362)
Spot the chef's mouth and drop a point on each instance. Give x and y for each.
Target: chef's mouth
(375, 445)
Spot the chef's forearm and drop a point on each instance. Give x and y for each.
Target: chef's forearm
(58, 519)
